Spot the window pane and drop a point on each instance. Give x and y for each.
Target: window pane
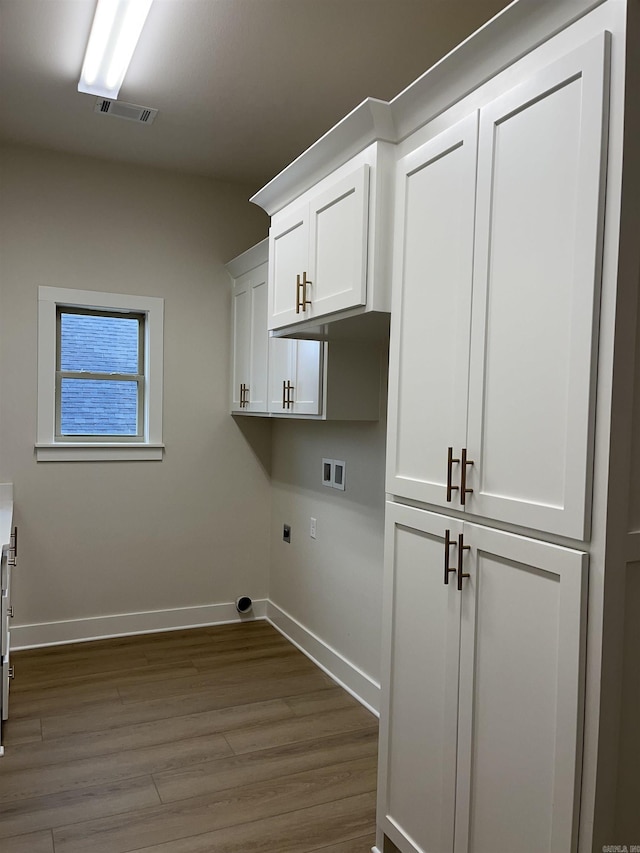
(98, 407)
(99, 344)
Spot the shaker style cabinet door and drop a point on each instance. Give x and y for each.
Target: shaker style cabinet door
(250, 342)
(522, 641)
(480, 727)
(241, 331)
(295, 371)
(338, 245)
(258, 394)
(288, 263)
(419, 709)
(431, 311)
(536, 295)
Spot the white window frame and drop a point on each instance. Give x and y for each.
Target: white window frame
(149, 446)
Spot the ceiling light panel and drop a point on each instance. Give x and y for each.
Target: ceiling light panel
(116, 28)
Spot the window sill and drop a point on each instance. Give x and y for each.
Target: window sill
(98, 451)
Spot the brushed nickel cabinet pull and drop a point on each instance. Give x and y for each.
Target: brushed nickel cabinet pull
(284, 393)
(289, 389)
(450, 461)
(301, 293)
(298, 283)
(461, 549)
(10, 611)
(448, 542)
(464, 491)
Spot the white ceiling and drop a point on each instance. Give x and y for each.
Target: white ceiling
(242, 86)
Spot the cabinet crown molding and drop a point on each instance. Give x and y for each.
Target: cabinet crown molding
(369, 122)
(511, 34)
(249, 260)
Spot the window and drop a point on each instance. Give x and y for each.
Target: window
(99, 376)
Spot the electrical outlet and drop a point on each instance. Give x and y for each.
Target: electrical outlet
(339, 472)
(312, 528)
(286, 533)
(334, 473)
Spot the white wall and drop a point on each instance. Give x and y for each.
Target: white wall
(102, 540)
(327, 592)
(98, 539)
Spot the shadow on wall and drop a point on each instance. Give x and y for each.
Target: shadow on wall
(257, 433)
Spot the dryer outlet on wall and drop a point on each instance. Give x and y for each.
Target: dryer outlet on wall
(312, 528)
(334, 473)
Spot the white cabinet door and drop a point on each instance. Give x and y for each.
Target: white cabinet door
(322, 242)
(512, 388)
(430, 320)
(482, 689)
(521, 653)
(5, 576)
(288, 263)
(250, 356)
(295, 372)
(241, 331)
(535, 297)
(338, 245)
(307, 395)
(419, 710)
(7, 674)
(258, 393)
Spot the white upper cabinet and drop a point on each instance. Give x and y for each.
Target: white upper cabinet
(329, 240)
(339, 380)
(494, 326)
(319, 252)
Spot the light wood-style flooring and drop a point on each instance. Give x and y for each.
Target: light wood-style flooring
(214, 740)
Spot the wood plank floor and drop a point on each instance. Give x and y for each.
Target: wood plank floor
(213, 740)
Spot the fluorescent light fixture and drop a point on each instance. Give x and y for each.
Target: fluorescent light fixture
(117, 25)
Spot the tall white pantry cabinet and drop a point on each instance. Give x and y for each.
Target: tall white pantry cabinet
(508, 217)
(510, 293)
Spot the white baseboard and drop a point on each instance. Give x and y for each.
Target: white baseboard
(341, 670)
(346, 674)
(125, 624)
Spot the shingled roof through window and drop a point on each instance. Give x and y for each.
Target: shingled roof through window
(99, 344)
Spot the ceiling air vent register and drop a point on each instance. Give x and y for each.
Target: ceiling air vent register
(130, 112)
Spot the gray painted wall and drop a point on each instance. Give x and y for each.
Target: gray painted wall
(205, 524)
(117, 537)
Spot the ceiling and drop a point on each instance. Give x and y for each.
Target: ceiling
(242, 86)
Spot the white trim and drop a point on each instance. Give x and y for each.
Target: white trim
(126, 624)
(352, 679)
(249, 259)
(98, 451)
(47, 449)
(511, 34)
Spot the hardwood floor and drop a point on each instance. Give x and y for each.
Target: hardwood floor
(213, 740)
